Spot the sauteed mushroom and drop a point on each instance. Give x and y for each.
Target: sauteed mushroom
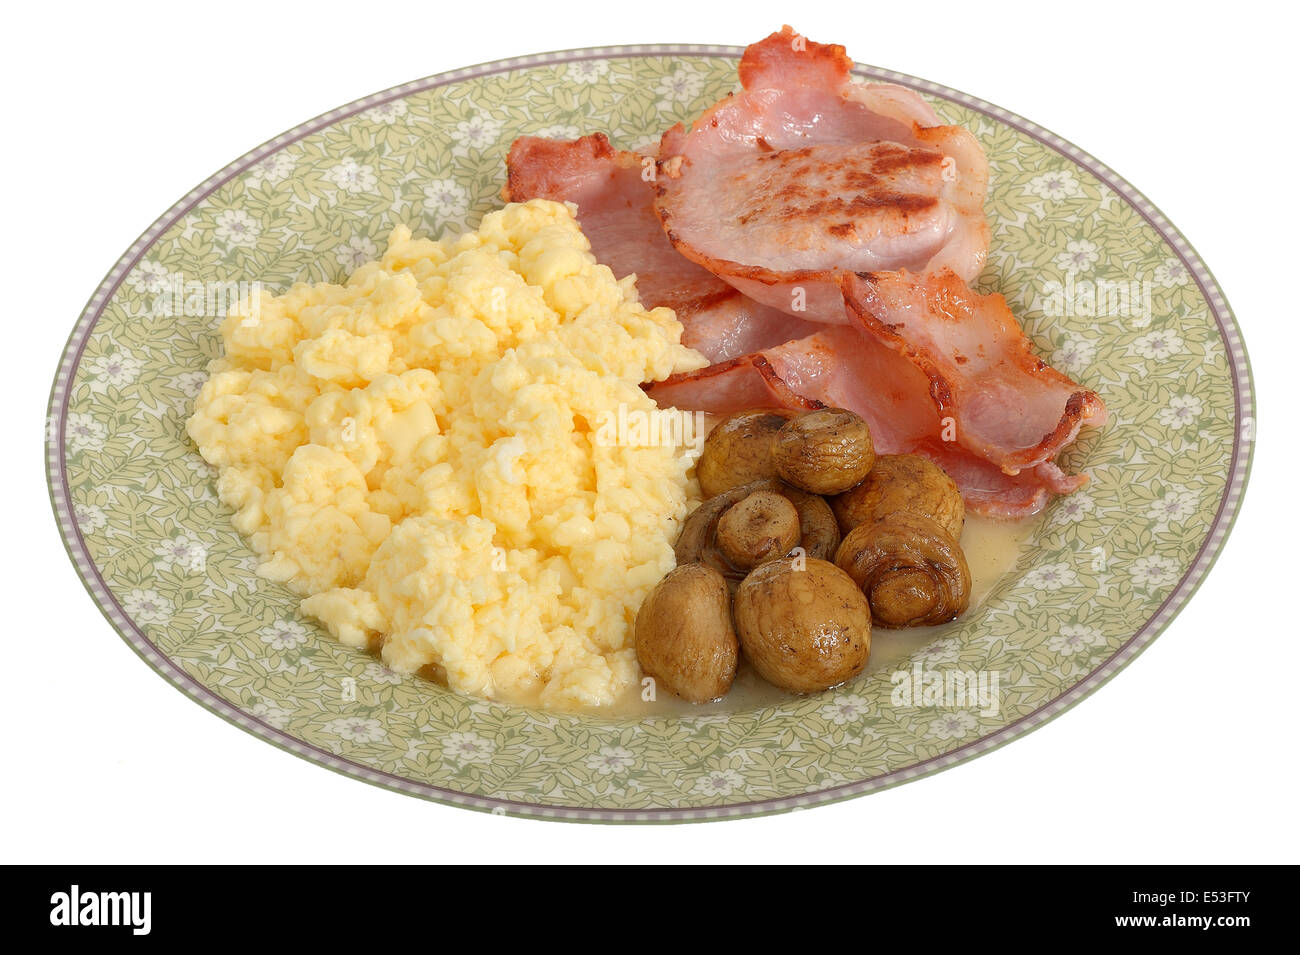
(684, 634)
(803, 626)
(738, 450)
(698, 539)
(759, 527)
(818, 534)
(902, 482)
(825, 451)
(911, 569)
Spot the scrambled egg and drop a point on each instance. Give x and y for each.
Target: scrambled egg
(415, 452)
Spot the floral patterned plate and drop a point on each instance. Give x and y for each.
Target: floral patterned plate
(1106, 286)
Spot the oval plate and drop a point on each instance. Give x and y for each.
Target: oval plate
(1110, 292)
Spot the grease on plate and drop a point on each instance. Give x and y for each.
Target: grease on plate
(993, 548)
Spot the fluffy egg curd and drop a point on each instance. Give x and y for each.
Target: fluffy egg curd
(415, 453)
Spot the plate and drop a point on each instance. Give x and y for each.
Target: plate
(1105, 571)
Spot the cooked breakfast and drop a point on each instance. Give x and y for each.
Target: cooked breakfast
(864, 304)
(423, 453)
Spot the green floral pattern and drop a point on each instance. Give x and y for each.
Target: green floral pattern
(157, 548)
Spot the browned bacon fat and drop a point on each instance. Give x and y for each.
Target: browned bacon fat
(807, 172)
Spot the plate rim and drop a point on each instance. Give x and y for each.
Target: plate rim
(1211, 547)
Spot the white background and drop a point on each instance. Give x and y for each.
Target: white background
(115, 111)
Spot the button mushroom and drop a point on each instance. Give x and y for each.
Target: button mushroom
(698, 539)
(911, 569)
(804, 625)
(819, 532)
(762, 526)
(902, 482)
(825, 451)
(738, 450)
(819, 535)
(684, 634)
